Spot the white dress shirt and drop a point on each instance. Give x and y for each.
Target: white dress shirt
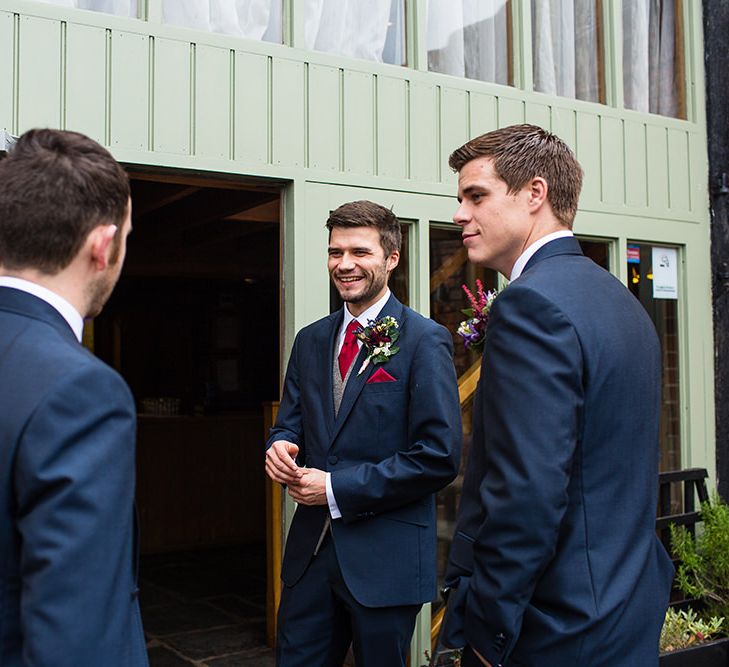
(363, 318)
(67, 311)
(521, 262)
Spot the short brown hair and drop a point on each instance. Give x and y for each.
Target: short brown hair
(365, 213)
(523, 152)
(56, 187)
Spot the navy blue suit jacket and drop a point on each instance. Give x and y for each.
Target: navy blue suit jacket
(391, 447)
(67, 435)
(555, 556)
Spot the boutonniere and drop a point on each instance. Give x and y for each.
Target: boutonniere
(379, 337)
(473, 330)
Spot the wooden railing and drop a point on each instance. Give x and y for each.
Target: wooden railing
(274, 535)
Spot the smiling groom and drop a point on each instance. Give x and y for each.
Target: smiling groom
(367, 431)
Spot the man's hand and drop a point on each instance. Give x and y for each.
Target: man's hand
(281, 462)
(310, 488)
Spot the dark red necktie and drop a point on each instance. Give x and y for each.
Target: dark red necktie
(349, 349)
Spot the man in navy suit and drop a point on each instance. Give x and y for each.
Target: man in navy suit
(363, 447)
(555, 560)
(68, 594)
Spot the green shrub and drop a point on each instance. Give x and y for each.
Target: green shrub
(704, 561)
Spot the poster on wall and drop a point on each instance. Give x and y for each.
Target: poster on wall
(665, 273)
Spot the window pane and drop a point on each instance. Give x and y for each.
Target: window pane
(471, 38)
(253, 19)
(653, 57)
(664, 313)
(566, 48)
(117, 7)
(399, 279)
(449, 271)
(597, 251)
(372, 30)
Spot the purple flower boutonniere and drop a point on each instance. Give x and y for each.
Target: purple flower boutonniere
(473, 330)
(379, 337)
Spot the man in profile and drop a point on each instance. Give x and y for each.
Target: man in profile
(68, 592)
(555, 559)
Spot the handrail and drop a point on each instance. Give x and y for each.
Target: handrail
(448, 268)
(274, 535)
(468, 381)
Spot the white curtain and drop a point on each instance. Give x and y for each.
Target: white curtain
(253, 19)
(564, 48)
(117, 7)
(649, 56)
(469, 38)
(371, 29)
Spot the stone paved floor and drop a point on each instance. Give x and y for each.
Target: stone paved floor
(206, 608)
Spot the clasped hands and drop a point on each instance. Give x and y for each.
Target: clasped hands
(306, 486)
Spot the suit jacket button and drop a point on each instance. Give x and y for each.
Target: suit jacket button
(333, 459)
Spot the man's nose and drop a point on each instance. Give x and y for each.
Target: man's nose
(460, 217)
(347, 262)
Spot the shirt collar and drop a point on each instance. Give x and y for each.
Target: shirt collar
(521, 262)
(370, 314)
(67, 311)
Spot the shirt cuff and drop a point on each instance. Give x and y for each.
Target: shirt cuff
(331, 500)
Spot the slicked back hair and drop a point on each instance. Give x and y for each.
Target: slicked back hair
(365, 213)
(56, 187)
(523, 152)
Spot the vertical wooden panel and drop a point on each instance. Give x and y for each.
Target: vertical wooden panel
(129, 90)
(86, 80)
(657, 151)
(698, 165)
(358, 123)
(212, 101)
(612, 169)
(453, 127)
(484, 114)
(7, 51)
(588, 153)
(636, 182)
(392, 127)
(679, 177)
(172, 96)
(564, 125)
(39, 93)
(423, 132)
(288, 112)
(251, 107)
(538, 114)
(511, 111)
(324, 117)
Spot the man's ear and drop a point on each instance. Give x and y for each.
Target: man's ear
(99, 242)
(538, 189)
(393, 260)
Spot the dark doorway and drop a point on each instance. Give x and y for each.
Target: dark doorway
(193, 327)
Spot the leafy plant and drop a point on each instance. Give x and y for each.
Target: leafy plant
(704, 569)
(684, 628)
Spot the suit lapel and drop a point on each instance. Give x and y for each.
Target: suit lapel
(357, 380)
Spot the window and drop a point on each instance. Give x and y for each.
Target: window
(117, 7)
(449, 271)
(664, 313)
(372, 30)
(653, 57)
(471, 38)
(566, 48)
(253, 19)
(597, 251)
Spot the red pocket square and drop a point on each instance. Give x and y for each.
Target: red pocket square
(381, 375)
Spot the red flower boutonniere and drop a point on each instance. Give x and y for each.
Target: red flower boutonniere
(379, 337)
(473, 330)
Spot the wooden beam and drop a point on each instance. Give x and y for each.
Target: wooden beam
(274, 536)
(448, 268)
(468, 381)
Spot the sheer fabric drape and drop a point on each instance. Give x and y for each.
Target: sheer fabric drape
(372, 30)
(253, 19)
(469, 38)
(564, 48)
(652, 75)
(117, 7)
